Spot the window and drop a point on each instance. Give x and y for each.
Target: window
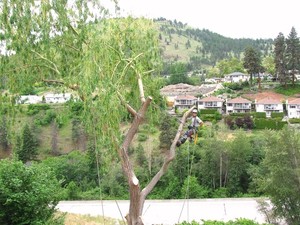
(229, 104)
(292, 107)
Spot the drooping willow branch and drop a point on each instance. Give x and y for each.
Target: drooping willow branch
(54, 68)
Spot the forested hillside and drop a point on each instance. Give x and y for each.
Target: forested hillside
(180, 42)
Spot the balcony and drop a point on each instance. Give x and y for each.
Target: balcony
(210, 105)
(270, 107)
(241, 106)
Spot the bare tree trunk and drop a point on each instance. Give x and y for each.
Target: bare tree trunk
(221, 169)
(138, 196)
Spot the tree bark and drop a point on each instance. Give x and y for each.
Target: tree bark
(138, 196)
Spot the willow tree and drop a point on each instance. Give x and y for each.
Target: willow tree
(111, 64)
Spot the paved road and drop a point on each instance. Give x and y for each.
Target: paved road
(171, 211)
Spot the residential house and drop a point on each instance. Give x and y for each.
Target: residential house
(29, 99)
(57, 98)
(268, 105)
(236, 77)
(183, 102)
(238, 105)
(293, 108)
(211, 102)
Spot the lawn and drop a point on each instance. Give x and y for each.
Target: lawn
(289, 91)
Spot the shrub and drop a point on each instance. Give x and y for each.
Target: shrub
(269, 124)
(36, 108)
(294, 120)
(259, 115)
(142, 137)
(208, 111)
(29, 194)
(245, 122)
(277, 115)
(239, 114)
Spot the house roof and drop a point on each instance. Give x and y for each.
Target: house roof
(186, 97)
(236, 74)
(239, 100)
(294, 101)
(268, 101)
(211, 99)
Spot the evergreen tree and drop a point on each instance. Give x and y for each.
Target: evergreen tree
(280, 175)
(178, 73)
(280, 59)
(54, 139)
(4, 134)
(293, 53)
(167, 132)
(252, 63)
(28, 150)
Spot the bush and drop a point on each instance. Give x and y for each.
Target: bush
(269, 124)
(46, 119)
(28, 194)
(36, 108)
(208, 111)
(259, 115)
(142, 137)
(245, 122)
(76, 108)
(277, 115)
(239, 114)
(294, 120)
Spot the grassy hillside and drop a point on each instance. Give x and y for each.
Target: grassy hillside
(180, 42)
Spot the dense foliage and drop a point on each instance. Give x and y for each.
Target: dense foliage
(28, 194)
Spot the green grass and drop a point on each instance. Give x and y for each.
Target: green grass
(289, 91)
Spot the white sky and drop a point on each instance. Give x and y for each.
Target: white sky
(230, 18)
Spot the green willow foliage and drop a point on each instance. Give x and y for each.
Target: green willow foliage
(98, 58)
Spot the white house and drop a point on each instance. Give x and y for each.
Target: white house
(29, 99)
(57, 98)
(211, 102)
(268, 105)
(183, 102)
(293, 108)
(236, 77)
(238, 105)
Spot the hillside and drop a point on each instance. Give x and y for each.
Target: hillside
(202, 48)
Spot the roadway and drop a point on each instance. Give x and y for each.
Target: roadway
(171, 211)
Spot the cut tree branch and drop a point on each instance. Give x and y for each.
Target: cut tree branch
(128, 107)
(169, 157)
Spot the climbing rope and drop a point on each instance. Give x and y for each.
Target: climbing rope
(188, 181)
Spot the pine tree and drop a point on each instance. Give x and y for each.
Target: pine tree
(280, 59)
(4, 134)
(293, 53)
(252, 62)
(28, 149)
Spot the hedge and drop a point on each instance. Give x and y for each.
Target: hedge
(211, 117)
(35, 108)
(273, 124)
(277, 115)
(259, 115)
(294, 120)
(208, 111)
(239, 114)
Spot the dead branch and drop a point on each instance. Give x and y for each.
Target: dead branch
(141, 87)
(128, 107)
(169, 157)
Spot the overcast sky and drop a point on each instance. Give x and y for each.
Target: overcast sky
(230, 18)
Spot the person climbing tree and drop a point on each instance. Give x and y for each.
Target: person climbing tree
(196, 122)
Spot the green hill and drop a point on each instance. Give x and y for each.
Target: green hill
(201, 47)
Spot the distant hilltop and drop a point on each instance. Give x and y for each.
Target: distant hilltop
(180, 42)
